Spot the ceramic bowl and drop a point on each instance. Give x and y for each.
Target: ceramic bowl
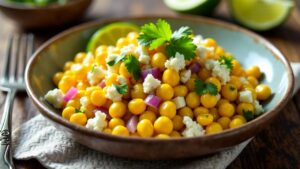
(32, 17)
(247, 47)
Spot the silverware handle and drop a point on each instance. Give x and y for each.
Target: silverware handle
(6, 161)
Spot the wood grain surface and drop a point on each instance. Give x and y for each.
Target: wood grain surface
(276, 147)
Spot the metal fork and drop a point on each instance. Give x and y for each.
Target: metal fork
(19, 51)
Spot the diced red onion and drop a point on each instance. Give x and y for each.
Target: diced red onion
(72, 92)
(154, 71)
(103, 110)
(194, 67)
(102, 84)
(153, 101)
(132, 123)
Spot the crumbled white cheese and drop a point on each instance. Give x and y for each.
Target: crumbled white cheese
(143, 54)
(113, 94)
(198, 40)
(95, 75)
(246, 96)
(185, 75)
(150, 83)
(179, 102)
(97, 123)
(145, 59)
(177, 63)
(110, 57)
(210, 64)
(55, 97)
(258, 109)
(121, 79)
(218, 96)
(202, 51)
(141, 49)
(84, 101)
(218, 70)
(192, 129)
(129, 49)
(89, 59)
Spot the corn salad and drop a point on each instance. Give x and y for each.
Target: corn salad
(165, 96)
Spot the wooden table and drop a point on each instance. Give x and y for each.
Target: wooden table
(278, 146)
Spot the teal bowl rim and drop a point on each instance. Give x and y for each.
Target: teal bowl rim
(261, 120)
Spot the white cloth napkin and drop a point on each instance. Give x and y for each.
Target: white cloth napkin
(39, 139)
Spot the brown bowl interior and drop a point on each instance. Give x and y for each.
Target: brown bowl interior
(50, 58)
(44, 17)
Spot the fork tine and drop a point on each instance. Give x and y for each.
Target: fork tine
(30, 46)
(27, 47)
(13, 59)
(5, 73)
(22, 57)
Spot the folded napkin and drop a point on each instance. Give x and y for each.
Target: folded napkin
(39, 139)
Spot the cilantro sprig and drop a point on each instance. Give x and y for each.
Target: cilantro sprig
(78, 111)
(155, 35)
(116, 60)
(202, 88)
(248, 115)
(122, 89)
(133, 66)
(227, 61)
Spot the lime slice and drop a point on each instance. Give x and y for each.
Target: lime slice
(200, 7)
(109, 34)
(261, 15)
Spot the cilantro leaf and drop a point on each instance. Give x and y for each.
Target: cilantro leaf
(205, 88)
(183, 31)
(122, 89)
(78, 111)
(227, 61)
(116, 60)
(133, 66)
(248, 115)
(184, 46)
(155, 35)
(199, 86)
(212, 89)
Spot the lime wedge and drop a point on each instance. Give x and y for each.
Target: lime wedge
(109, 34)
(200, 7)
(261, 15)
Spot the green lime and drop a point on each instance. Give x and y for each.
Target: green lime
(199, 7)
(109, 34)
(261, 15)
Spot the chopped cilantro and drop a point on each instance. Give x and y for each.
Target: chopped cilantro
(116, 60)
(248, 115)
(155, 35)
(204, 88)
(227, 61)
(133, 66)
(78, 111)
(183, 31)
(122, 89)
(183, 46)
